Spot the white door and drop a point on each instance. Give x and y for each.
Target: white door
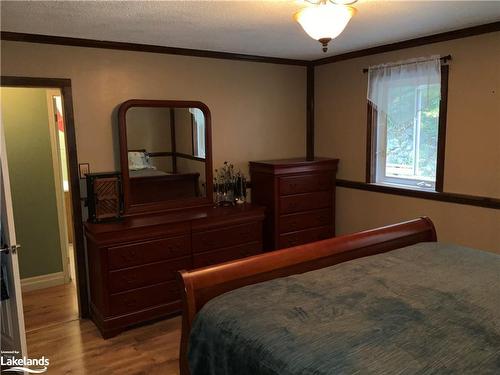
(13, 336)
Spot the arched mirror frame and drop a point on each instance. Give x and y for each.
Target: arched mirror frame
(133, 209)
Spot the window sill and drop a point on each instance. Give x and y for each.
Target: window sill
(405, 187)
(471, 200)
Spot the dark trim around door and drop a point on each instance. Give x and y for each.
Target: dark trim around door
(69, 121)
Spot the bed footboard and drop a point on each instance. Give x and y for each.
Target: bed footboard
(201, 285)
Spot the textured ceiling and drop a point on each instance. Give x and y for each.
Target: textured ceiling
(252, 27)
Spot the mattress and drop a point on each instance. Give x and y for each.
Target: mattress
(430, 308)
(147, 173)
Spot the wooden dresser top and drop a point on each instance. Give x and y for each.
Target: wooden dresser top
(294, 165)
(199, 215)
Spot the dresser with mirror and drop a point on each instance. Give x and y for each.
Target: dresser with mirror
(170, 221)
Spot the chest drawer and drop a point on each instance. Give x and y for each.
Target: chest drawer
(231, 253)
(229, 236)
(305, 183)
(153, 273)
(137, 299)
(305, 202)
(309, 219)
(305, 236)
(147, 252)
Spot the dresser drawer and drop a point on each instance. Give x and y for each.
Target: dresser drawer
(231, 253)
(228, 236)
(305, 183)
(309, 219)
(305, 236)
(305, 202)
(153, 273)
(147, 252)
(138, 299)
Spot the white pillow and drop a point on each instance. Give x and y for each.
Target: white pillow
(138, 160)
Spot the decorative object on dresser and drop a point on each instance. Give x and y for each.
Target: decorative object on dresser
(168, 225)
(230, 186)
(300, 199)
(104, 196)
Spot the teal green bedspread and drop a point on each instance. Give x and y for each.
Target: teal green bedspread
(430, 308)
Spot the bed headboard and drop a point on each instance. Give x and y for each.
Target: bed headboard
(201, 285)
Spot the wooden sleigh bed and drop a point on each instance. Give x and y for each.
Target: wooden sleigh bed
(201, 286)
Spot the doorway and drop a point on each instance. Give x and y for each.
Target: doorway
(36, 149)
(71, 282)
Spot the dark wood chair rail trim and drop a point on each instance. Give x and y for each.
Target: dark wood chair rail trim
(469, 200)
(201, 285)
(69, 122)
(429, 39)
(124, 46)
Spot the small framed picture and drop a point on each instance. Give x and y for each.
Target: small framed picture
(84, 169)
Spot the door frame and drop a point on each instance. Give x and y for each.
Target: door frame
(62, 217)
(64, 84)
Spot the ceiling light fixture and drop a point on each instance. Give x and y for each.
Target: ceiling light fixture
(325, 19)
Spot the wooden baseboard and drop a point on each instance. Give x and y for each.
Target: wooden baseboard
(41, 282)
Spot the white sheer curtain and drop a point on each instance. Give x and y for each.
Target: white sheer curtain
(400, 92)
(416, 72)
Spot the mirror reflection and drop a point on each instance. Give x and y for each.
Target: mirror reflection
(166, 153)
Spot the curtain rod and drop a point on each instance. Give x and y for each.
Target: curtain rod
(444, 60)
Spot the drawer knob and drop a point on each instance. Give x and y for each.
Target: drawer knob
(129, 256)
(130, 302)
(172, 248)
(130, 279)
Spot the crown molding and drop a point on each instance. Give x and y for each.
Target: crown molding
(429, 39)
(123, 46)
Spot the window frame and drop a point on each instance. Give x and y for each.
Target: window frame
(371, 141)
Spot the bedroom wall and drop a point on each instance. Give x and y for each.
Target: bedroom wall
(149, 129)
(472, 143)
(25, 118)
(252, 104)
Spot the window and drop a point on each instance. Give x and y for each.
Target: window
(198, 132)
(406, 120)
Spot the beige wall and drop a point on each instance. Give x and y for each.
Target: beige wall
(253, 105)
(148, 129)
(472, 163)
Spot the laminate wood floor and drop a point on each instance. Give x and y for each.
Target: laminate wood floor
(49, 306)
(75, 346)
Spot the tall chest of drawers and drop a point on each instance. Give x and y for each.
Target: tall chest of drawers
(300, 199)
(133, 264)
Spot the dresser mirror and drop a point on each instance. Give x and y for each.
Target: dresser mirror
(165, 151)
